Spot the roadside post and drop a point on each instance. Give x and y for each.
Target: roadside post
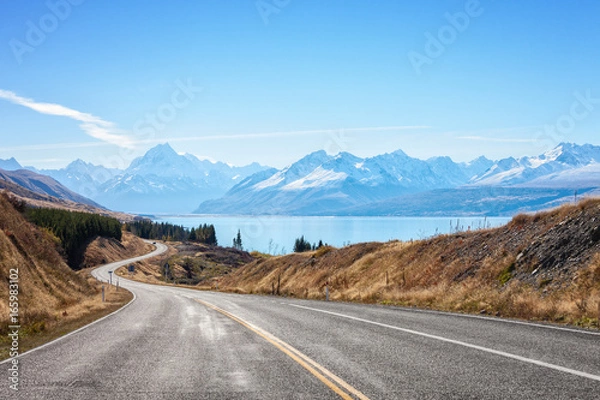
(327, 291)
(110, 278)
(103, 293)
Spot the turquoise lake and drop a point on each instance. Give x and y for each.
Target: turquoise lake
(276, 234)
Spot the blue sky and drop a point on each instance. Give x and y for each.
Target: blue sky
(270, 81)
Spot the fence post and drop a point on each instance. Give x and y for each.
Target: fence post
(598, 313)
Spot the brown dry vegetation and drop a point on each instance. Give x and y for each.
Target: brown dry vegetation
(194, 265)
(149, 270)
(539, 267)
(53, 299)
(105, 250)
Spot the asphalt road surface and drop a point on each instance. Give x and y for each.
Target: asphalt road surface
(173, 343)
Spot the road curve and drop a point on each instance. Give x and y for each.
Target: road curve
(176, 343)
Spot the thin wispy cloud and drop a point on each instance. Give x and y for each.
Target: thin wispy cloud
(132, 142)
(282, 134)
(93, 126)
(496, 139)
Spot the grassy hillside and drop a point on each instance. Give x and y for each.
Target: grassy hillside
(544, 266)
(107, 250)
(192, 264)
(53, 299)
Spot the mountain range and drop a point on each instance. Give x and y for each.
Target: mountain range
(37, 186)
(163, 181)
(396, 184)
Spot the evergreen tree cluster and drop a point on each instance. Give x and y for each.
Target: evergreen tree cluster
(147, 229)
(301, 245)
(74, 229)
(204, 234)
(150, 230)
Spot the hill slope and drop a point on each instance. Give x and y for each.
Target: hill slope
(544, 266)
(43, 185)
(43, 200)
(46, 283)
(53, 299)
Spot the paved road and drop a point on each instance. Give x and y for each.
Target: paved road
(174, 343)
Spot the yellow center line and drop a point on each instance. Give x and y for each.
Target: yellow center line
(319, 371)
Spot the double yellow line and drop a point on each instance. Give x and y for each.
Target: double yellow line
(334, 382)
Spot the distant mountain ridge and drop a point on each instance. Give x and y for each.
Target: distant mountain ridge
(163, 181)
(160, 181)
(321, 183)
(396, 184)
(10, 164)
(554, 168)
(40, 185)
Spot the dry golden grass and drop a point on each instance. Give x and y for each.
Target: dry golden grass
(148, 270)
(107, 250)
(68, 318)
(474, 272)
(53, 299)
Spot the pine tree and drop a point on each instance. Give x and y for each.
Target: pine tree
(301, 245)
(237, 241)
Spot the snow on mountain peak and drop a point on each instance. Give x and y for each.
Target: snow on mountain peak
(318, 178)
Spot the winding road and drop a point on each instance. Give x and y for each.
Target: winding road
(176, 343)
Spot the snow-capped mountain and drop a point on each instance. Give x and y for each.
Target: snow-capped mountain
(323, 184)
(163, 181)
(160, 181)
(82, 177)
(567, 165)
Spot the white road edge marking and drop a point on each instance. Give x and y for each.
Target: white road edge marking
(500, 320)
(58, 339)
(458, 342)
